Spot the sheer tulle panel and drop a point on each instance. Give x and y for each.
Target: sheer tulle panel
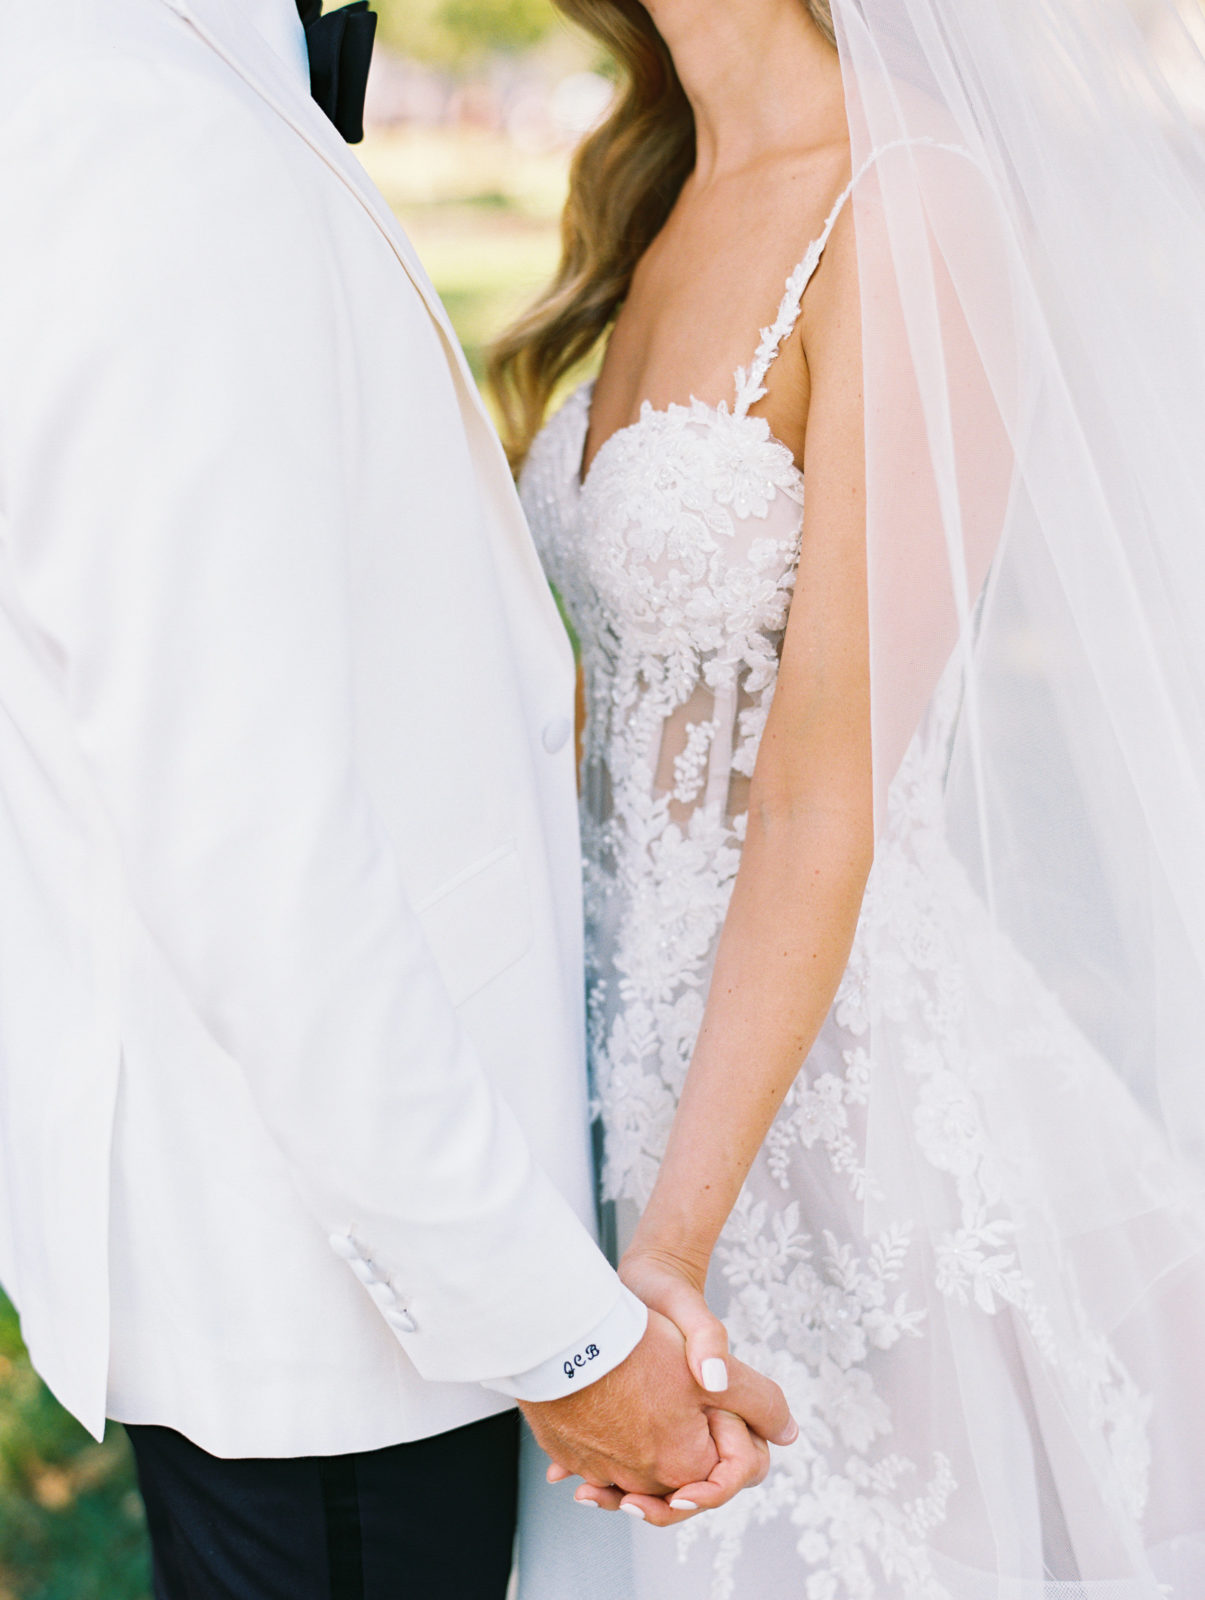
(694, 766)
(1031, 238)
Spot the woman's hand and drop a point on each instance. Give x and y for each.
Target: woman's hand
(673, 1285)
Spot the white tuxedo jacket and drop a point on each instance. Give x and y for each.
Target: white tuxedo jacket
(293, 1133)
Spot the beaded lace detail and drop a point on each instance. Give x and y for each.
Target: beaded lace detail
(676, 558)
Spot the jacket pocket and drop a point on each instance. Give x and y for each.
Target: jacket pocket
(479, 923)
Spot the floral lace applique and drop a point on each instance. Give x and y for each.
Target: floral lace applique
(676, 560)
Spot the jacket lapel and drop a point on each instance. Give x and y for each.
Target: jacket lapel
(218, 22)
(241, 46)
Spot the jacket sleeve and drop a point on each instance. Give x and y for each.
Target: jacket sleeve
(175, 370)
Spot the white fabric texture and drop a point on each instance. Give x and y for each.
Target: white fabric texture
(290, 926)
(281, 26)
(924, 1251)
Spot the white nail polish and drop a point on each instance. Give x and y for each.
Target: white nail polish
(593, 1504)
(683, 1505)
(715, 1375)
(634, 1511)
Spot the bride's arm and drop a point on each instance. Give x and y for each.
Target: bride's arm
(807, 854)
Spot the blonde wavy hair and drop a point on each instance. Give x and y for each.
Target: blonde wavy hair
(623, 183)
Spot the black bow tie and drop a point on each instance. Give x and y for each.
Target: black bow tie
(340, 47)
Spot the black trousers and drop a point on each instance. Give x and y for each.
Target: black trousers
(434, 1520)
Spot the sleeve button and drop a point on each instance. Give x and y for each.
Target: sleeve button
(556, 735)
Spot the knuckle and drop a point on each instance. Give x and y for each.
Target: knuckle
(680, 1469)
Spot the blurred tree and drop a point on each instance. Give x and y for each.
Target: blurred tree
(451, 32)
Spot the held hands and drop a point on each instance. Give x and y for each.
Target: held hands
(679, 1427)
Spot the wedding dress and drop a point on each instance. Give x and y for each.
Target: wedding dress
(980, 1418)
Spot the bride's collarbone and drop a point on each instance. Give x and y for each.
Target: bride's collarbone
(696, 309)
(675, 352)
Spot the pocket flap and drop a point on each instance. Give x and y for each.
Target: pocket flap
(480, 923)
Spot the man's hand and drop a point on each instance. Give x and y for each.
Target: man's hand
(648, 1427)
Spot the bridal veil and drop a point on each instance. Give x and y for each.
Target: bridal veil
(1031, 239)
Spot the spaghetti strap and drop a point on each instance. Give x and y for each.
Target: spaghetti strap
(751, 380)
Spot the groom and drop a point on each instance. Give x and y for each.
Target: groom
(293, 1148)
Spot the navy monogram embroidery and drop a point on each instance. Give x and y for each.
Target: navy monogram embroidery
(582, 1359)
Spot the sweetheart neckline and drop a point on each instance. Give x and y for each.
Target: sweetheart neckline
(699, 409)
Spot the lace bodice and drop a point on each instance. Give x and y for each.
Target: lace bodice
(676, 557)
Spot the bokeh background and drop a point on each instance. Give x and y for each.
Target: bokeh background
(474, 107)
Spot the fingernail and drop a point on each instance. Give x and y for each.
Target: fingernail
(792, 1433)
(586, 1501)
(715, 1375)
(683, 1505)
(633, 1511)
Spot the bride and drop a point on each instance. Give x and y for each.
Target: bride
(891, 792)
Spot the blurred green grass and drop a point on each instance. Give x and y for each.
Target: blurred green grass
(484, 219)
